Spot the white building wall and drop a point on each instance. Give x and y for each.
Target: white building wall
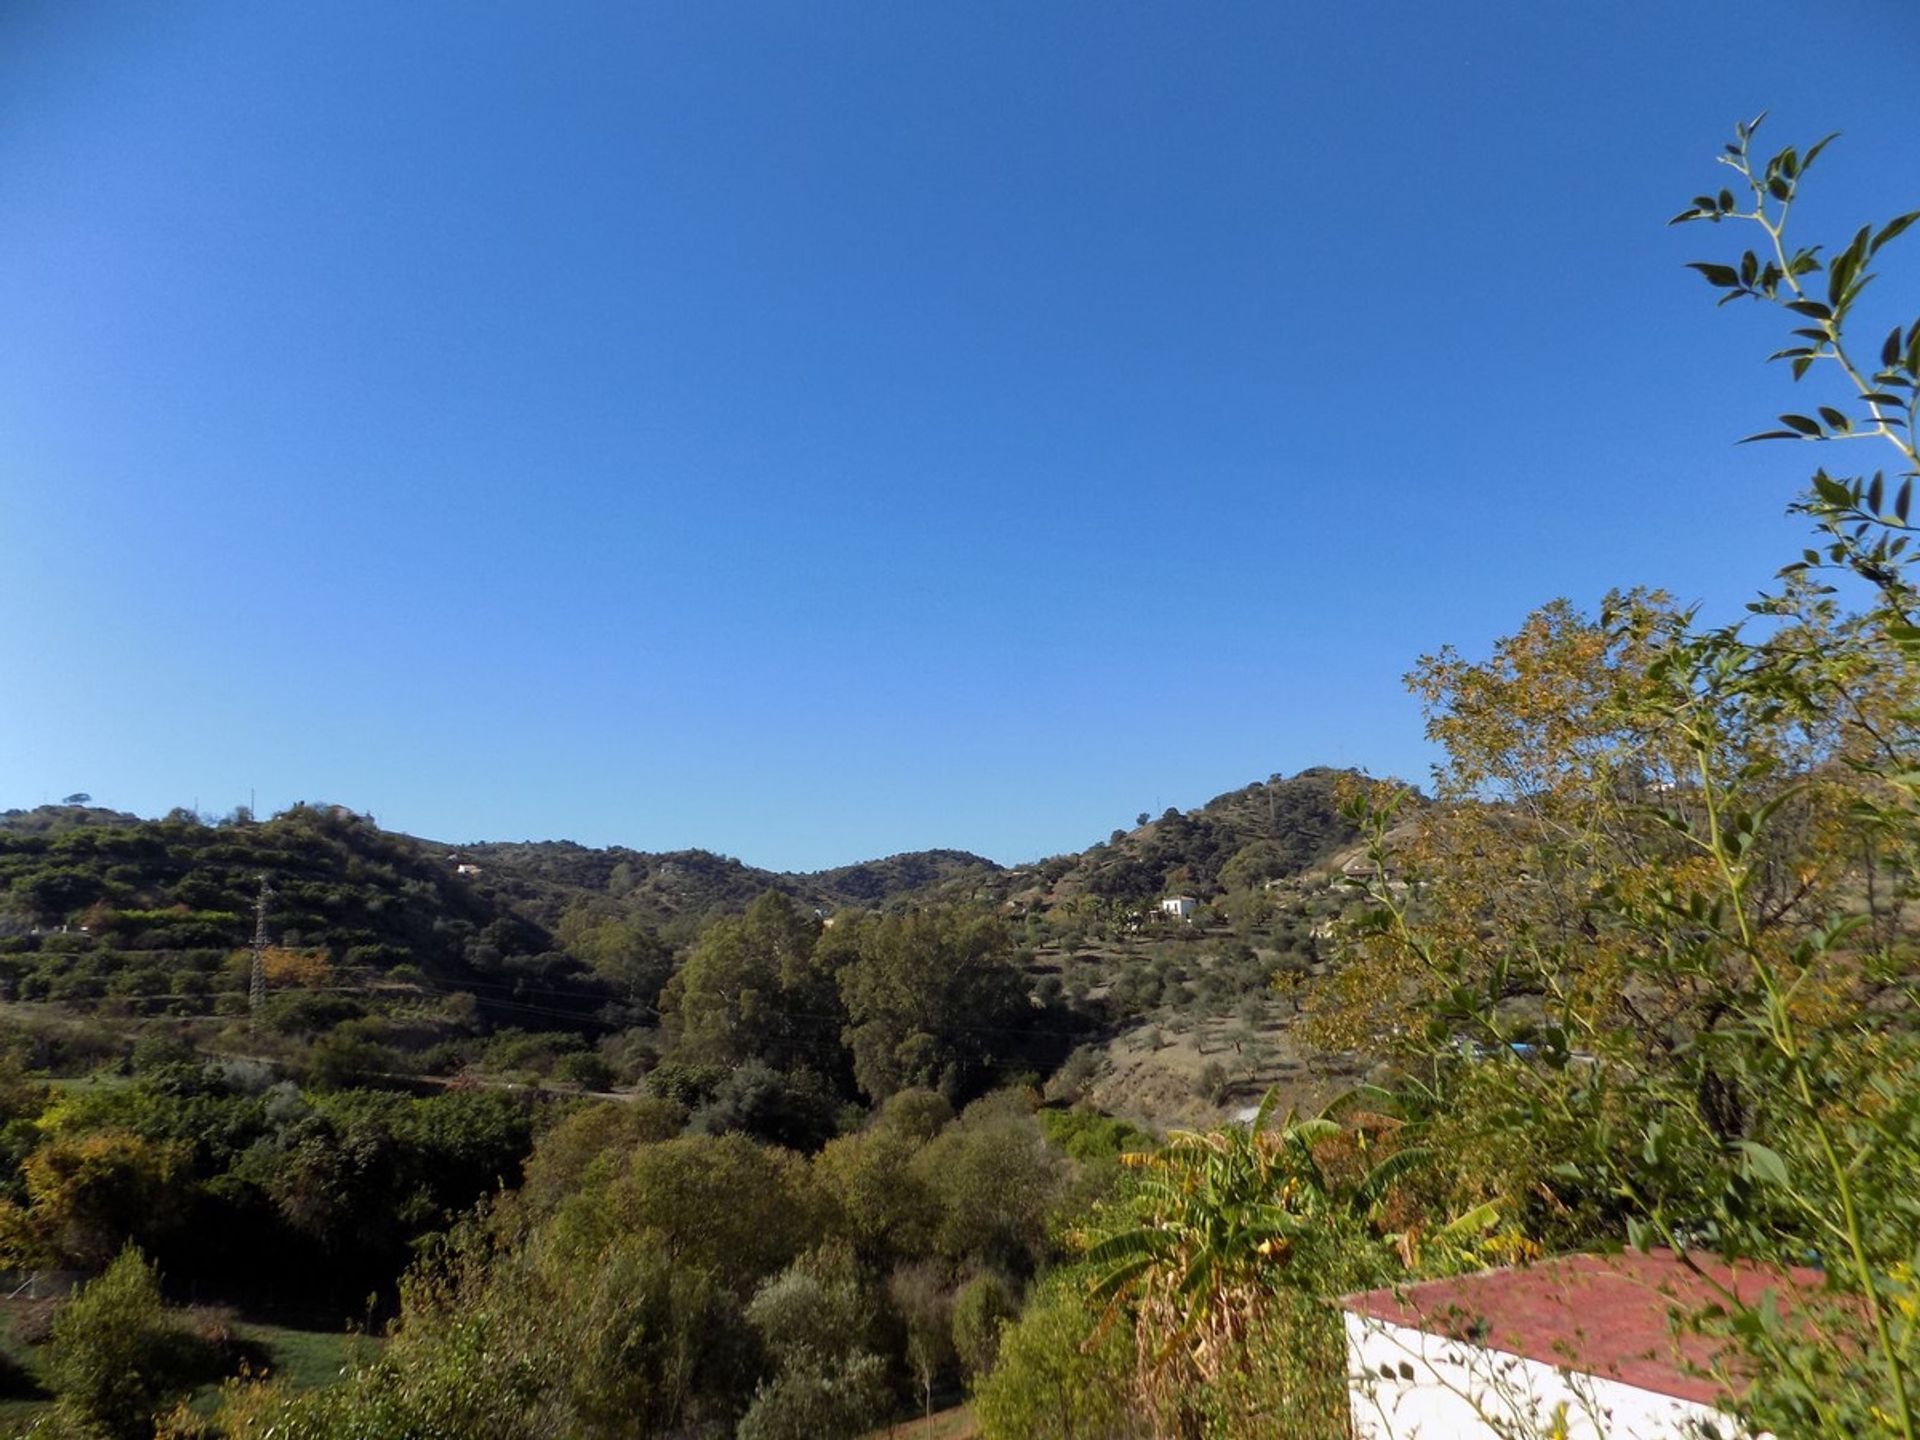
(1409, 1384)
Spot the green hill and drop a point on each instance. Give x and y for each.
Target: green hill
(153, 916)
(1271, 829)
(151, 912)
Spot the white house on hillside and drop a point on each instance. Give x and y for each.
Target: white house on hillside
(1181, 907)
(1583, 1346)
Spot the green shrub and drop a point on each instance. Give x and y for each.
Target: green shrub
(585, 1069)
(116, 1357)
(1058, 1376)
(981, 1308)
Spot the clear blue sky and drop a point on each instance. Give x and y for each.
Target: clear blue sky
(818, 430)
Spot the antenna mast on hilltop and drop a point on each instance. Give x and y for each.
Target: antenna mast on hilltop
(257, 985)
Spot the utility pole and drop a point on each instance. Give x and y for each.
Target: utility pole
(257, 985)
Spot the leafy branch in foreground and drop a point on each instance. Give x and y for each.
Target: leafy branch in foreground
(1867, 522)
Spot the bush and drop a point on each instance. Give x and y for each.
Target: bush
(1088, 1136)
(814, 1319)
(585, 1069)
(1058, 1375)
(793, 1108)
(300, 1013)
(347, 1058)
(810, 1405)
(116, 1357)
(981, 1308)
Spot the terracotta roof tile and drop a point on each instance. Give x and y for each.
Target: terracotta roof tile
(1607, 1315)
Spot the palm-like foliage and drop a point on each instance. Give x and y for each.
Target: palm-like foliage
(1225, 1223)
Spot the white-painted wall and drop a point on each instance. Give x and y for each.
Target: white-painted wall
(1408, 1384)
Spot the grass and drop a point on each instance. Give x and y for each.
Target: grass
(309, 1359)
(98, 1080)
(954, 1424)
(305, 1359)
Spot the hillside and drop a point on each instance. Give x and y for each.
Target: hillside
(152, 917)
(1271, 829)
(153, 911)
(674, 889)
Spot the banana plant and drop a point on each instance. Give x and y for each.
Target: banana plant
(1222, 1222)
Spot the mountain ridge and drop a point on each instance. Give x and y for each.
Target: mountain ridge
(503, 899)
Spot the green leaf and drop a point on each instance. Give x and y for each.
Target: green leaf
(1831, 490)
(1810, 428)
(1477, 1221)
(1724, 276)
(1893, 229)
(1767, 1166)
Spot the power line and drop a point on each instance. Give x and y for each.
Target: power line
(257, 985)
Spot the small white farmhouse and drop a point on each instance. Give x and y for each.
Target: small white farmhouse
(1181, 907)
(1582, 1346)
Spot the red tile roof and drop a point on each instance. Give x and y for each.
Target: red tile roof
(1606, 1315)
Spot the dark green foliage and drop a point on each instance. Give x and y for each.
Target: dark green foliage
(641, 1285)
(627, 954)
(298, 1012)
(256, 1190)
(116, 1357)
(753, 989)
(525, 1053)
(584, 1069)
(932, 1000)
(361, 1173)
(689, 1086)
(730, 1207)
(794, 1108)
